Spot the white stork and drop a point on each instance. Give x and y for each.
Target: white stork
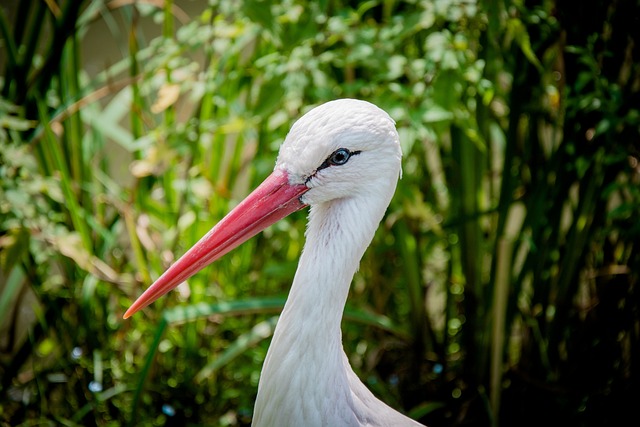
(343, 160)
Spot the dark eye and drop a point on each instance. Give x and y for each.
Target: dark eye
(339, 157)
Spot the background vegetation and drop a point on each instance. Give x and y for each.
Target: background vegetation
(501, 288)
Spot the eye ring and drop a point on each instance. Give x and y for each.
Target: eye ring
(339, 157)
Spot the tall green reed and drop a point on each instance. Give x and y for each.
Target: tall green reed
(508, 220)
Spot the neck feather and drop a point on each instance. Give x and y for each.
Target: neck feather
(306, 366)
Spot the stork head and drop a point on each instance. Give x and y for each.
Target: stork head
(344, 148)
(340, 149)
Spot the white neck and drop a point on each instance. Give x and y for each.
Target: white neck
(337, 237)
(304, 370)
(306, 379)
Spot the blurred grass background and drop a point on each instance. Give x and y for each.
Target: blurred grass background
(501, 288)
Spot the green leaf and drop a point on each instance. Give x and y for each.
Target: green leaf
(519, 33)
(437, 114)
(259, 11)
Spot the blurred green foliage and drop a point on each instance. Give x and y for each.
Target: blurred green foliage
(501, 288)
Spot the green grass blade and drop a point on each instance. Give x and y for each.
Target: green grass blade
(52, 146)
(189, 313)
(375, 320)
(193, 312)
(259, 332)
(146, 368)
(10, 46)
(498, 327)
(10, 290)
(411, 264)
(136, 246)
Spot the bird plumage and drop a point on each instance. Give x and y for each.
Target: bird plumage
(343, 159)
(306, 378)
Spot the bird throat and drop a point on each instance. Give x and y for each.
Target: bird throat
(306, 362)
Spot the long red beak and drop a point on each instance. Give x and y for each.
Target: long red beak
(274, 199)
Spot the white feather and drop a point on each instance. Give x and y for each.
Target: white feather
(306, 379)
